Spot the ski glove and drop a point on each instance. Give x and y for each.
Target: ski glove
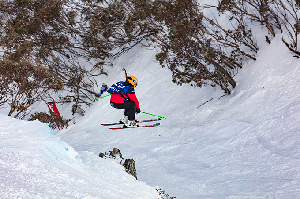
(138, 110)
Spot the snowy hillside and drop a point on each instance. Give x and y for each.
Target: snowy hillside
(210, 146)
(36, 164)
(244, 145)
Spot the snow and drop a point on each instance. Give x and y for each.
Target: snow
(36, 164)
(243, 145)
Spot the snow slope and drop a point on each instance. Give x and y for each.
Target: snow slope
(36, 164)
(244, 145)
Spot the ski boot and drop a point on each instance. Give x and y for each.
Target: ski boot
(124, 120)
(130, 124)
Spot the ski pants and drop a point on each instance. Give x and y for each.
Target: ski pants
(129, 107)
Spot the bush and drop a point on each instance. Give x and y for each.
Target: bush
(23, 84)
(53, 119)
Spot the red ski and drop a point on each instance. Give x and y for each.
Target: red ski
(111, 124)
(123, 127)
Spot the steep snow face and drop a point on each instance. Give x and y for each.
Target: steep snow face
(36, 164)
(244, 145)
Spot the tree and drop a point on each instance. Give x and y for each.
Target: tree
(25, 85)
(35, 30)
(255, 10)
(287, 12)
(273, 14)
(46, 32)
(194, 47)
(115, 27)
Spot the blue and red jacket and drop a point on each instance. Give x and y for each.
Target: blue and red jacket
(121, 92)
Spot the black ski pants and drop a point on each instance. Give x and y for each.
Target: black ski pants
(129, 107)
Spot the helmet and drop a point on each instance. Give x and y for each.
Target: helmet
(132, 80)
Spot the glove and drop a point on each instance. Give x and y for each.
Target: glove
(138, 110)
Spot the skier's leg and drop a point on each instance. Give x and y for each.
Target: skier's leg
(129, 109)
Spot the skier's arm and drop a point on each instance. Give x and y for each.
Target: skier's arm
(132, 97)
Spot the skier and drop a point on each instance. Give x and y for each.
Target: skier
(123, 97)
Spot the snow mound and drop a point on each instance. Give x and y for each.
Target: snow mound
(36, 164)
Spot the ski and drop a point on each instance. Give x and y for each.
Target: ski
(123, 127)
(111, 124)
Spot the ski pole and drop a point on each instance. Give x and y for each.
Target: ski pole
(101, 97)
(162, 117)
(105, 96)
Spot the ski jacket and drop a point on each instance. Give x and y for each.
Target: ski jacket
(121, 92)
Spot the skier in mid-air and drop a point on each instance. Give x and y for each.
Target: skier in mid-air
(123, 97)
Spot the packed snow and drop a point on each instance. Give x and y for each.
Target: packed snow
(36, 164)
(243, 145)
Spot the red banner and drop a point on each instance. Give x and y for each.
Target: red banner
(52, 108)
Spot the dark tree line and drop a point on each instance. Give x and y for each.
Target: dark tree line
(62, 36)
